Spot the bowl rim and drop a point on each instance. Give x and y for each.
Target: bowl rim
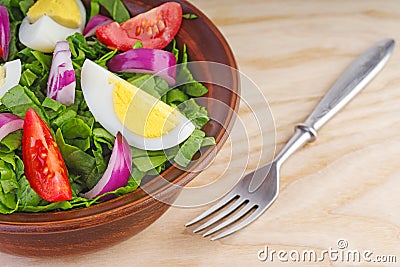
(125, 205)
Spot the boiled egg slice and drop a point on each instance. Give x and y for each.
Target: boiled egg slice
(145, 121)
(10, 74)
(50, 21)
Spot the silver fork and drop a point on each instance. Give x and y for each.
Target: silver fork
(256, 191)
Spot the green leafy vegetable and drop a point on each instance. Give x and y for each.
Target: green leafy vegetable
(116, 9)
(175, 50)
(175, 97)
(190, 85)
(76, 133)
(94, 8)
(189, 16)
(8, 183)
(84, 144)
(189, 148)
(24, 5)
(19, 99)
(194, 112)
(28, 78)
(103, 60)
(78, 162)
(82, 49)
(138, 44)
(11, 142)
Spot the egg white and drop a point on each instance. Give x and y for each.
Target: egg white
(98, 93)
(13, 75)
(45, 32)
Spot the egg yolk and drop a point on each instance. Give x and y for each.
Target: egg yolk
(2, 75)
(142, 113)
(64, 12)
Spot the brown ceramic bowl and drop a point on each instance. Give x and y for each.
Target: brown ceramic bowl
(103, 225)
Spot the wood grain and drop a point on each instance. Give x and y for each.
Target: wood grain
(345, 185)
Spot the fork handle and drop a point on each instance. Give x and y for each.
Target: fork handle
(352, 81)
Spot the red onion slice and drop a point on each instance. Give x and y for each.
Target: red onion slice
(118, 170)
(95, 22)
(4, 33)
(62, 82)
(9, 123)
(146, 60)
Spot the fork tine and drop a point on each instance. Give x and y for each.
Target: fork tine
(239, 226)
(231, 220)
(225, 200)
(221, 215)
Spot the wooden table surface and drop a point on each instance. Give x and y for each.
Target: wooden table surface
(344, 186)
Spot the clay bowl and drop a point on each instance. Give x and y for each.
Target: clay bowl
(103, 225)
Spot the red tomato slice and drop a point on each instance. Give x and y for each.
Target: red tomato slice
(44, 166)
(157, 27)
(113, 36)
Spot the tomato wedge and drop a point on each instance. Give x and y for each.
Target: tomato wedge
(115, 37)
(155, 28)
(44, 166)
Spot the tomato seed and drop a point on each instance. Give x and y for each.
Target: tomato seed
(161, 25)
(149, 31)
(138, 30)
(155, 29)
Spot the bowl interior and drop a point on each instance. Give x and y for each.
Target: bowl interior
(204, 43)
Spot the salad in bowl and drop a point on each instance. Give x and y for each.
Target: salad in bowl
(90, 104)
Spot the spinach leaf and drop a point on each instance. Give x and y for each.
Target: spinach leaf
(102, 136)
(11, 142)
(28, 78)
(189, 148)
(82, 49)
(76, 133)
(189, 16)
(147, 163)
(8, 180)
(52, 108)
(19, 99)
(103, 60)
(116, 9)
(24, 5)
(43, 59)
(61, 205)
(184, 76)
(12, 49)
(175, 97)
(8, 183)
(26, 195)
(197, 114)
(9, 158)
(64, 116)
(138, 44)
(146, 82)
(101, 162)
(208, 141)
(94, 8)
(175, 51)
(78, 162)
